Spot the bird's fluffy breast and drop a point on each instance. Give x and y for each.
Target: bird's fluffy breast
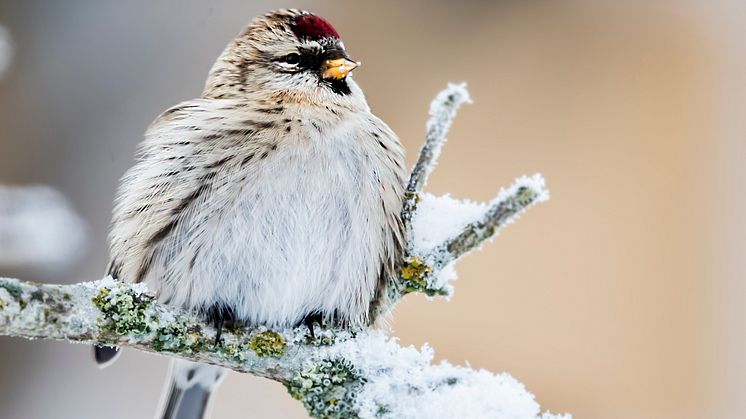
(295, 215)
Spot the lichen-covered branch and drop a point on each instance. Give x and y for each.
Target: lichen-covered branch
(339, 374)
(113, 313)
(428, 264)
(503, 210)
(461, 227)
(499, 214)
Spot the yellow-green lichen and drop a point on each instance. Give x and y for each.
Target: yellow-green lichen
(124, 311)
(328, 388)
(416, 271)
(233, 351)
(268, 343)
(414, 197)
(179, 337)
(321, 338)
(414, 276)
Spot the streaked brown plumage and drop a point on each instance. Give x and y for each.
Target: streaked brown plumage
(273, 199)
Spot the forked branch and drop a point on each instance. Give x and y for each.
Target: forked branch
(338, 374)
(443, 111)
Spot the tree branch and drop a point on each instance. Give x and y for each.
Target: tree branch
(503, 210)
(340, 373)
(443, 111)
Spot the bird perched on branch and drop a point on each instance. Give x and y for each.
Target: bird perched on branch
(273, 199)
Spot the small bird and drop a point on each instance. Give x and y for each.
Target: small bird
(273, 199)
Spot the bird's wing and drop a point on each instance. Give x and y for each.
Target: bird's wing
(389, 156)
(176, 168)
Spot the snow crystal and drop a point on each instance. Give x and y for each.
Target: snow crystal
(402, 383)
(106, 282)
(115, 287)
(39, 229)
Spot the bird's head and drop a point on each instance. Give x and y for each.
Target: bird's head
(287, 54)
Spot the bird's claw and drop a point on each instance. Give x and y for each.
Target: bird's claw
(309, 320)
(220, 316)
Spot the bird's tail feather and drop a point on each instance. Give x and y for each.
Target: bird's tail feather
(187, 392)
(105, 355)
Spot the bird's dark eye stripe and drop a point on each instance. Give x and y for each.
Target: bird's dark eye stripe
(302, 60)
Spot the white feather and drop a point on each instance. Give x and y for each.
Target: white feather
(309, 227)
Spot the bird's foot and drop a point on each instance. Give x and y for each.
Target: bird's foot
(309, 320)
(220, 316)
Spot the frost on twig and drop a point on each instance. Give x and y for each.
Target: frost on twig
(503, 210)
(462, 226)
(439, 230)
(442, 113)
(338, 374)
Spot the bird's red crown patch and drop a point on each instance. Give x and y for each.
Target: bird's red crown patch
(313, 28)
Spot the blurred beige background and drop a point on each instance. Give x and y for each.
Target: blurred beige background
(619, 298)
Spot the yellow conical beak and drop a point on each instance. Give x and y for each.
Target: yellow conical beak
(338, 68)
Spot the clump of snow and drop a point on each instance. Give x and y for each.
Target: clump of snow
(439, 218)
(116, 287)
(39, 230)
(106, 282)
(6, 50)
(402, 383)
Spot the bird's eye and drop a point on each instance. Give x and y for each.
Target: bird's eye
(292, 59)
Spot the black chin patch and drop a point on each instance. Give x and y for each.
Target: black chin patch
(339, 87)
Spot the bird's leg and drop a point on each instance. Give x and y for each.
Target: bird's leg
(220, 316)
(309, 320)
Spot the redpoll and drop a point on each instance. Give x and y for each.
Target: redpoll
(274, 199)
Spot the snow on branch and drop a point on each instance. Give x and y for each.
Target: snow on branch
(439, 230)
(461, 227)
(339, 373)
(503, 210)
